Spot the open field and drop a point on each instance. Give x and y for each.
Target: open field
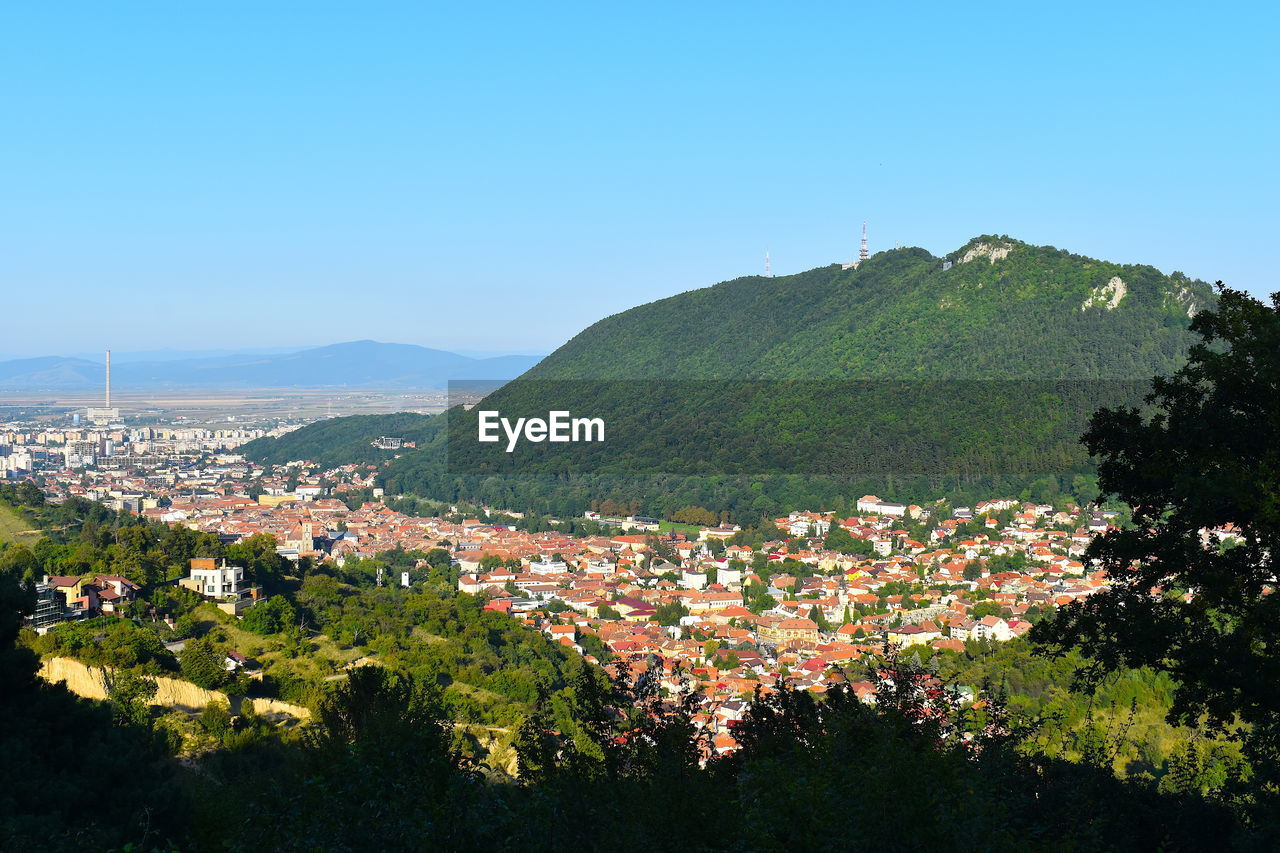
(222, 408)
(14, 528)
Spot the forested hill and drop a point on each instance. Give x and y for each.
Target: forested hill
(916, 376)
(1003, 310)
(342, 441)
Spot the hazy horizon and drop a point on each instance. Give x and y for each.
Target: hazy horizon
(175, 354)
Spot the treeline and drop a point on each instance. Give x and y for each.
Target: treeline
(59, 752)
(913, 441)
(1122, 724)
(747, 500)
(614, 766)
(383, 767)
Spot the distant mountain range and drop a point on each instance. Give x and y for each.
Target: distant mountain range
(358, 364)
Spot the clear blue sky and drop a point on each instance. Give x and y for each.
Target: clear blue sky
(498, 176)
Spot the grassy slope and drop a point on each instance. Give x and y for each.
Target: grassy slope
(15, 528)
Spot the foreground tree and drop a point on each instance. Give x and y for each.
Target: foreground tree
(59, 752)
(1193, 581)
(375, 771)
(204, 664)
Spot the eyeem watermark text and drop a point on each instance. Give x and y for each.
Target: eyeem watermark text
(558, 427)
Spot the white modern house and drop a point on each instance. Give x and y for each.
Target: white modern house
(212, 580)
(223, 584)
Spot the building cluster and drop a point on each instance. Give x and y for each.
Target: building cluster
(125, 468)
(61, 598)
(748, 618)
(67, 598)
(705, 607)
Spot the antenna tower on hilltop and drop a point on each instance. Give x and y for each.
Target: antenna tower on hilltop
(863, 254)
(768, 270)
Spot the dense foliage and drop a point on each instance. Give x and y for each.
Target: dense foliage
(611, 765)
(59, 753)
(343, 441)
(900, 315)
(489, 667)
(1181, 599)
(1119, 723)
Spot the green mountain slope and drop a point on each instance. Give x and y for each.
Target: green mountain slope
(912, 376)
(1035, 312)
(342, 441)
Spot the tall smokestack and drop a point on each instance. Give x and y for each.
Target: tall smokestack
(108, 379)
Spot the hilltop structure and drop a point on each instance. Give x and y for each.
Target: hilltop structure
(863, 252)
